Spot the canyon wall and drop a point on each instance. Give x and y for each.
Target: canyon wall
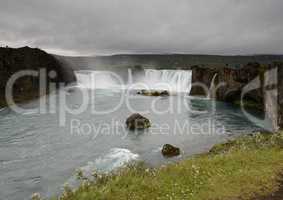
(260, 85)
(280, 94)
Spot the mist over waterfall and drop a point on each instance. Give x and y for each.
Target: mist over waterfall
(171, 80)
(174, 81)
(98, 79)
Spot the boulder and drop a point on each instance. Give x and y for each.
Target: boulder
(137, 121)
(71, 90)
(169, 150)
(154, 93)
(164, 93)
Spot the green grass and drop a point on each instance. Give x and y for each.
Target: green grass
(241, 169)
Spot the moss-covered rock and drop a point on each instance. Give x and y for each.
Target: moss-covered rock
(169, 150)
(154, 93)
(137, 121)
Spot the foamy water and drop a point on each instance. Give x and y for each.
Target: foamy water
(175, 81)
(115, 158)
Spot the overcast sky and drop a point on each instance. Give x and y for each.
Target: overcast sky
(90, 27)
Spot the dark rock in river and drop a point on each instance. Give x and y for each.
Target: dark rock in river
(153, 93)
(169, 150)
(71, 90)
(164, 93)
(137, 121)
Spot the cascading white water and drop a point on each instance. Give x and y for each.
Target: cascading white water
(130, 77)
(174, 81)
(171, 80)
(97, 79)
(212, 91)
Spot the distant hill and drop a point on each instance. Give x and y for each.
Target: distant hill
(167, 61)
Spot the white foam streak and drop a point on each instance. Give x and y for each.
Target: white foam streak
(117, 157)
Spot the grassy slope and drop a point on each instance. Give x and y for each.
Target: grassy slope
(242, 169)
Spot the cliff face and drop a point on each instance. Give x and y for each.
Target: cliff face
(234, 79)
(252, 79)
(280, 95)
(15, 60)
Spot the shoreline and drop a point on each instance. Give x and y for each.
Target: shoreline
(248, 167)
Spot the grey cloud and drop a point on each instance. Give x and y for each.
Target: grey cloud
(138, 26)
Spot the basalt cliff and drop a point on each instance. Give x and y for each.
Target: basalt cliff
(252, 85)
(27, 87)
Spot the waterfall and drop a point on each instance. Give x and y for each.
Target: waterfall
(174, 81)
(97, 79)
(130, 77)
(212, 91)
(171, 80)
